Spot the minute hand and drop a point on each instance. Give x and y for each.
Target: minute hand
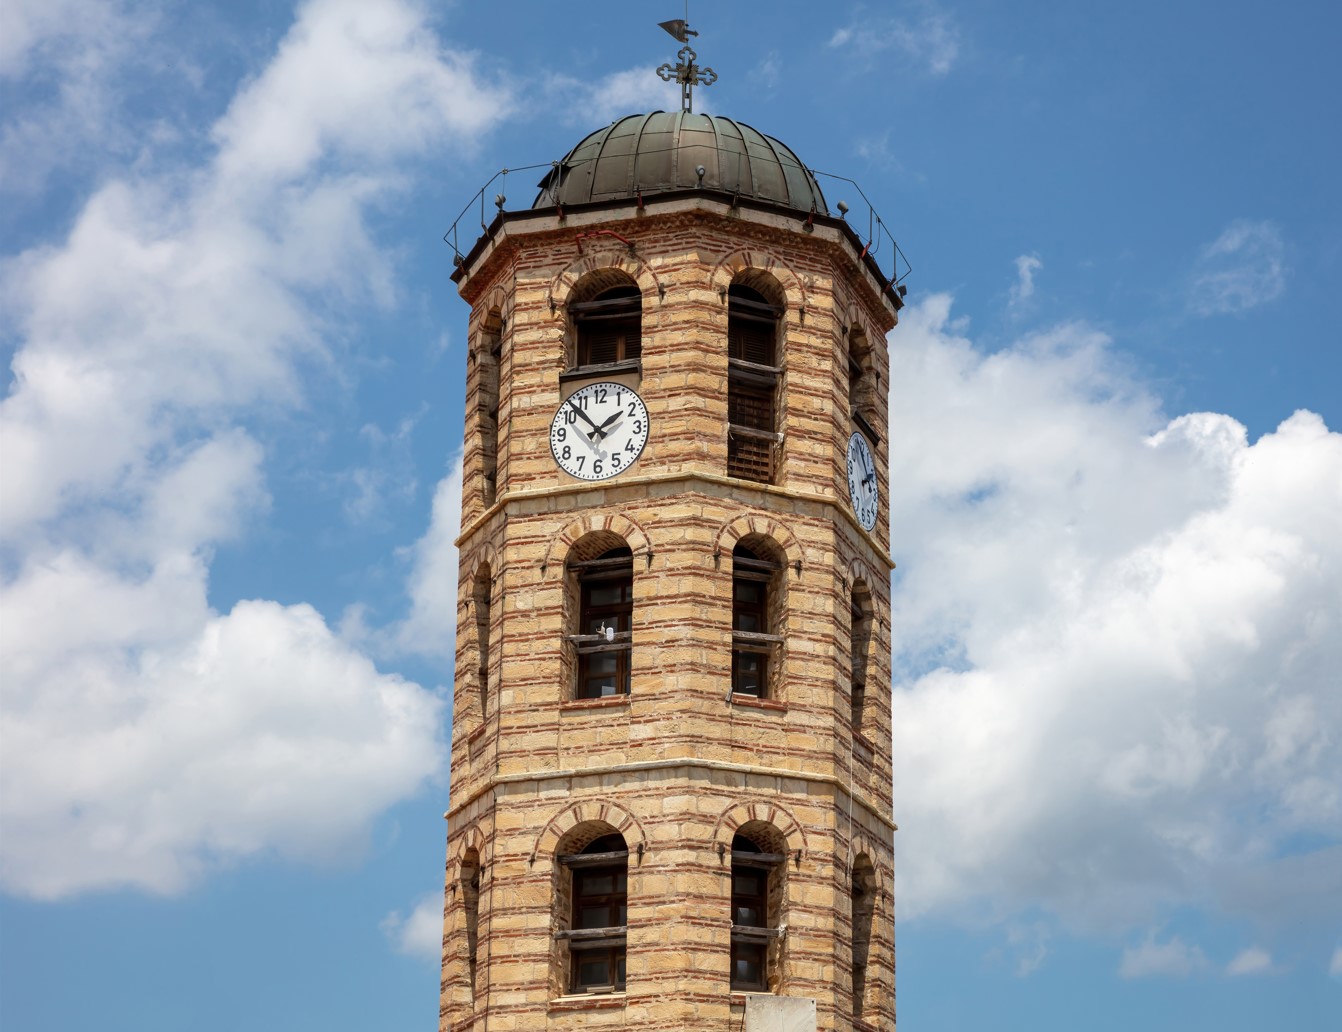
(585, 418)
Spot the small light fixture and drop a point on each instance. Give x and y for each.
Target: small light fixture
(843, 209)
(499, 200)
(700, 171)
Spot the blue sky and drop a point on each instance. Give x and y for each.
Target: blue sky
(232, 420)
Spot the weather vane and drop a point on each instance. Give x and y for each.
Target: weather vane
(687, 73)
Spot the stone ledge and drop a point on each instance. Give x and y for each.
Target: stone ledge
(572, 1004)
(578, 705)
(755, 703)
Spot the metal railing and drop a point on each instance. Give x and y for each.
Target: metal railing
(879, 242)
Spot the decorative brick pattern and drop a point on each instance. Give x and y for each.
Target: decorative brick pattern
(680, 765)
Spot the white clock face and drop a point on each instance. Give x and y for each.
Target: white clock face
(862, 488)
(599, 431)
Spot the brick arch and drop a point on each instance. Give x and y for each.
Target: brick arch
(466, 585)
(470, 838)
(743, 526)
(614, 814)
(732, 264)
(858, 570)
(561, 287)
(779, 816)
(616, 523)
(861, 843)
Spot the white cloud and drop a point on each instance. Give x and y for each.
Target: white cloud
(930, 38)
(430, 627)
(1023, 289)
(1116, 636)
(1172, 959)
(1253, 961)
(1241, 269)
(419, 934)
(153, 737)
(1335, 964)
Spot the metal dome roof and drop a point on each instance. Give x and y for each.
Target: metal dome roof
(662, 151)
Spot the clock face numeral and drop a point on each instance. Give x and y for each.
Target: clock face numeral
(863, 491)
(599, 431)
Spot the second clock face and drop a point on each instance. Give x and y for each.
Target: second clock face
(599, 431)
(862, 488)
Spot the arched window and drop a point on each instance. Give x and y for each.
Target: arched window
(864, 906)
(470, 899)
(604, 638)
(757, 893)
(609, 326)
(859, 608)
(598, 898)
(752, 384)
(481, 592)
(487, 416)
(755, 639)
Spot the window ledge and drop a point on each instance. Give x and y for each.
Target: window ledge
(610, 702)
(587, 1002)
(738, 996)
(754, 702)
(471, 738)
(863, 740)
(592, 372)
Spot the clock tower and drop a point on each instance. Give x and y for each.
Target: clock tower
(670, 797)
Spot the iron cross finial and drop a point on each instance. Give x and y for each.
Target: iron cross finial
(687, 73)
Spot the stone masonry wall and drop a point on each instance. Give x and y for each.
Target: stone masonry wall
(680, 763)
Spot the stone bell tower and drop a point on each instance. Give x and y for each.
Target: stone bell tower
(671, 774)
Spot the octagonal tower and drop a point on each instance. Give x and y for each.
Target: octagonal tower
(671, 758)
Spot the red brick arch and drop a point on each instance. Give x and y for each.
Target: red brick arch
(862, 843)
(466, 584)
(600, 260)
(470, 838)
(779, 816)
(616, 523)
(743, 526)
(605, 811)
(858, 570)
(732, 264)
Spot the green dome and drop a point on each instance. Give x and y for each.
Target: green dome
(663, 152)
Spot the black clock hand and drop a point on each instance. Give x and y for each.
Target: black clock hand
(608, 420)
(585, 417)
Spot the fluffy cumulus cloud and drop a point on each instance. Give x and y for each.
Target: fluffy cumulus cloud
(430, 627)
(419, 933)
(1253, 961)
(147, 736)
(1173, 958)
(1241, 269)
(1116, 643)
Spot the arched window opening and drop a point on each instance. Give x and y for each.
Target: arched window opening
(861, 383)
(755, 639)
(752, 384)
(757, 893)
(490, 356)
(481, 594)
(470, 899)
(864, 907)
(859, 608)
(597, 915)
(609, 327)
(604, 638)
